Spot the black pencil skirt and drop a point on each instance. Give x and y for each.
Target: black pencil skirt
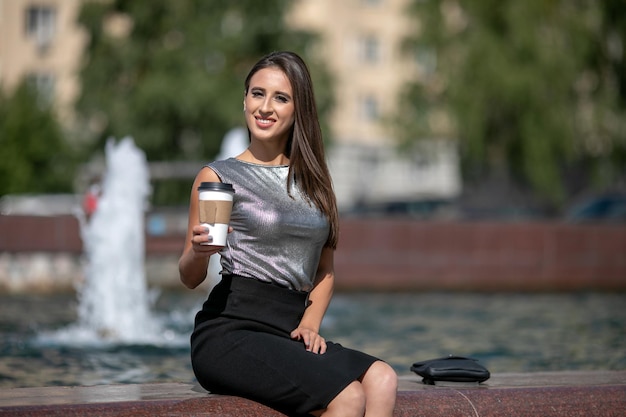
(241, 345)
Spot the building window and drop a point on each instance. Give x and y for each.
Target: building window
(369, 49)
(41, 24)
(369, 108)
(426, 59)
(43, 84)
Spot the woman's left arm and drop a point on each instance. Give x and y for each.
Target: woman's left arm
(319, 299)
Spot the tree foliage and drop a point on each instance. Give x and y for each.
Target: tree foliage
(35, 156)
(536, 88)
(170, 73)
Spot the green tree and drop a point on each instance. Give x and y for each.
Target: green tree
(35, 156)
(170, 73)
(533, 88)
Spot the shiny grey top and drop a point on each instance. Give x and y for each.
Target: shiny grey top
(277, 236)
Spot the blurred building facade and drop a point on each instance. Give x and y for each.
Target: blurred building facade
(361, 42)
(361, 45)
(41, 43)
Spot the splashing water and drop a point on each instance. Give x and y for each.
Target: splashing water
(114, 301)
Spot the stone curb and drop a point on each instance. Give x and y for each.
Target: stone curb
(588, 393)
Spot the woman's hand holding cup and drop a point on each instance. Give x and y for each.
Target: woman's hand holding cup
(214, 206)
(201, 241)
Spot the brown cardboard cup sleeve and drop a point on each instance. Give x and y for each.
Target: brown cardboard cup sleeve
(214, 211)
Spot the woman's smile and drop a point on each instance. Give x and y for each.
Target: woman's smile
(263, 123)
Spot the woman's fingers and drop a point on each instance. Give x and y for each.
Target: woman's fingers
(201, 242)
(313, 342)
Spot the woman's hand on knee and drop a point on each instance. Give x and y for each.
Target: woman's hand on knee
(312, 340)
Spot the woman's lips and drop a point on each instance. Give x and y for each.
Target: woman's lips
(264, 123)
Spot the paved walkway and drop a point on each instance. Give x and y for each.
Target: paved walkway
(601, 393)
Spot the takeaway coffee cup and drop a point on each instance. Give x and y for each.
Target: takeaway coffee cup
(215, 204)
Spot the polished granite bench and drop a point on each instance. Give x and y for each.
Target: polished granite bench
(580, 393)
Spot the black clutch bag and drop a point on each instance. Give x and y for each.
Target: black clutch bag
(451, 369)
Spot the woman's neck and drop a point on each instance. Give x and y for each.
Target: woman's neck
(263, 157)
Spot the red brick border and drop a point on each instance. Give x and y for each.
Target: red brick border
(405, 254)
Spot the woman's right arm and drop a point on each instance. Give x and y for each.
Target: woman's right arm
(193, 263)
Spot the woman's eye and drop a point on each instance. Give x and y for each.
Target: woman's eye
(282, 99)
(256, 94)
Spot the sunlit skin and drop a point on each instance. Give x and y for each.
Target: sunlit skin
(270, 114)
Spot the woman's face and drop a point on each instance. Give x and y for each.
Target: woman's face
(268, 106)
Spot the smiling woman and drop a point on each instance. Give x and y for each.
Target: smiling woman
(269, 111)
(278, 264)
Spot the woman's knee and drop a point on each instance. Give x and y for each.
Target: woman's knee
(382, 376)
(350, 401)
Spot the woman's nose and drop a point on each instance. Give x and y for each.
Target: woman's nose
(266, 106)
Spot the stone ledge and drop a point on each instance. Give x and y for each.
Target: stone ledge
(601, 393)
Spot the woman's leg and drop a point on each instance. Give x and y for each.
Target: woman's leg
(373, 395)
(348, 403)
(380, 385)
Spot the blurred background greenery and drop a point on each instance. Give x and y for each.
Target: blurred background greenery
(534, 92)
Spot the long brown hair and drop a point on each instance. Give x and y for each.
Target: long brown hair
(305, 148)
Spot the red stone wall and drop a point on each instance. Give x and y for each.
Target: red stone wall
(405, 254)
(39, 234)
(485, 256)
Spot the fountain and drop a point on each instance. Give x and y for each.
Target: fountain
(114, 301)
(235, 141)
